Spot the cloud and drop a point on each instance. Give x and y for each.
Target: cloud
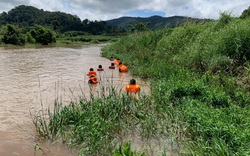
(6, 5)
(110, 9)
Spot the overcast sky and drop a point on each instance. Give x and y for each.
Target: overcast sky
(111, 9)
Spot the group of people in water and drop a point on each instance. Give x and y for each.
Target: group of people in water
(132, 87)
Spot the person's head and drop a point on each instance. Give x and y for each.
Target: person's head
(111, 57)
(117, 59)
(120, 63)
(100, 66)
(132, 81)
(91, 69)
(112, 64)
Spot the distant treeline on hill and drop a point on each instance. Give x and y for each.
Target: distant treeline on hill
(27, 24)
(154, 22)
(28, 16)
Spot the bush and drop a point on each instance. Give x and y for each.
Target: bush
(42, 35)
(13, 35)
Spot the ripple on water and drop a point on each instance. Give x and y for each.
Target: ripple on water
(34, 77)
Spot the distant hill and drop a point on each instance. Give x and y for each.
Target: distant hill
(154, 22)
(28, 16)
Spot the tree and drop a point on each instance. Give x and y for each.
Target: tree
(138, 27)
(43, 35)
(245, 13)
(12, 35)
(29, 38)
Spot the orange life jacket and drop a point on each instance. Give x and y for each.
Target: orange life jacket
(132, 88)
(123, 68)
(93, 80)
(117, 62)
(92, 73)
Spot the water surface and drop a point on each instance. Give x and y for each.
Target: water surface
(34, 77)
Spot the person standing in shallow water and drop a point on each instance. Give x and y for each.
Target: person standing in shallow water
(91, 72)
(93, 79)
(112, 66)
(100, 68)
(133, 87)
(117, 61)
(122, 68)
(111, 59)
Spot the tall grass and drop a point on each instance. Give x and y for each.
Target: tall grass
(199, 79)
(199, 103)
(97, 125)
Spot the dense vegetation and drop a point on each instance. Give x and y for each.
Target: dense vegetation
(66, 28)
(201, 73)
(154, 22)
(28, 16)
(29, 25)
(199, 98)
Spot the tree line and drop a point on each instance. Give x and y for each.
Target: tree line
(27, 24)
(29, 16)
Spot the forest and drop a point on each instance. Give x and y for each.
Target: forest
(27, 24)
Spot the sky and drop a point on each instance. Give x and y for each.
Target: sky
(102, 10)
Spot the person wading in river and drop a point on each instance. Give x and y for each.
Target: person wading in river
(100, 68)
(112, 66)
(111, 59)
(133, 87)
(91, 72)
(117, 61)
(93, 79)
(122, 68)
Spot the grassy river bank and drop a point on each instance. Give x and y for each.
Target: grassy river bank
(199, 102)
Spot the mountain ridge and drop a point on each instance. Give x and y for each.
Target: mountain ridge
(154, 22)
(29, 16)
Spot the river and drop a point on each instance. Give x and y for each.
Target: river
(33, 77)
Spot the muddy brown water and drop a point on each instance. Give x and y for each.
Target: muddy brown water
(33, 77)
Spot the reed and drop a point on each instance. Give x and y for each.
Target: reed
(96, 125)
(199, 76)
(199, 104)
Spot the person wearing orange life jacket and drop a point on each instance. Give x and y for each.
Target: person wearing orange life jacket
(132, 87)
(122, 68)
(91, 72)
(112, 66)
(100, 68)
(117, 61)
(92, 79)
